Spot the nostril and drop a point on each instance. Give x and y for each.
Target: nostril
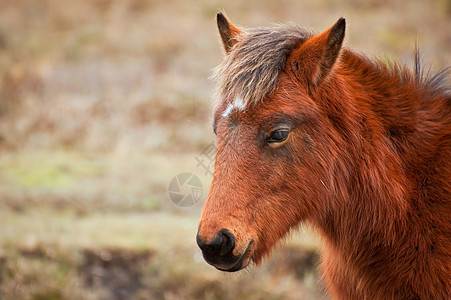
(228, 242)
(222, 244)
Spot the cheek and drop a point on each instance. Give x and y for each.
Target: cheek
(274, 218)
(307, 139)
(296, 172)
(285, 162)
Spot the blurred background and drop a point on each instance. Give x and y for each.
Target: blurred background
(104, 102)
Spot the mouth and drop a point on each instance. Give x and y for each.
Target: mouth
(242, 261)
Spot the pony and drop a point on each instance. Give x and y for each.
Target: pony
(311, 132)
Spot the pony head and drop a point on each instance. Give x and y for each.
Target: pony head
(274, 154)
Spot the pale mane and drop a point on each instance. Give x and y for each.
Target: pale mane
(251, 70)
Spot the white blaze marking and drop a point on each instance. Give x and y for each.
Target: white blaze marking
(237, 104)
(227, 110)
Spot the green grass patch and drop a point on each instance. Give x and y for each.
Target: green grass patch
(48, 169)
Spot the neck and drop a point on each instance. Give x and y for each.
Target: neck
(388, 209)
(376, 121)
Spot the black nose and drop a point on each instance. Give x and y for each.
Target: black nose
(218, 251)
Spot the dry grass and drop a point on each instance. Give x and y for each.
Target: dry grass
(62, 255)
(102, 102)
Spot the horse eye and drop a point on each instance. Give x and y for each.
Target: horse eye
(278, 136)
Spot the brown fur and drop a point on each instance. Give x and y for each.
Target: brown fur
(367, 163)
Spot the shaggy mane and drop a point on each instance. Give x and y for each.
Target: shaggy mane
(251, 70)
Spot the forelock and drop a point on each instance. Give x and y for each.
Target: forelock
(251, 70)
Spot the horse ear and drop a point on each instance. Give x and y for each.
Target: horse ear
(314, 59)
(228, 32)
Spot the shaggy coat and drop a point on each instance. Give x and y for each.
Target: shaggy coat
(311, 132)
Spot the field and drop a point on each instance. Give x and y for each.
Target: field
(103, 103)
